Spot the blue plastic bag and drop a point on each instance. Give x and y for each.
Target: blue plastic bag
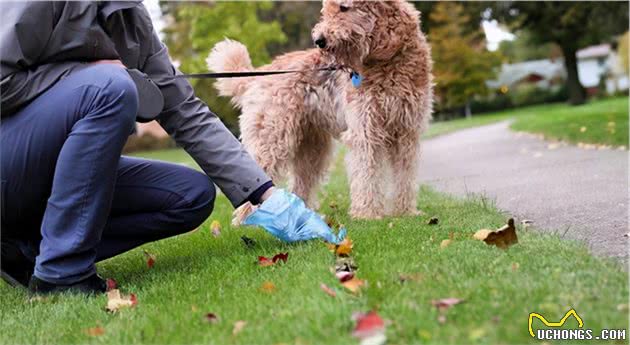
(285, 216)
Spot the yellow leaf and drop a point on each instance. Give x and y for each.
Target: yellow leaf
(215, 228)
(238, 327)
(268, 287)
(353, 284)
(115, 300)
(582, 129)
(502, 237)
(445, 243)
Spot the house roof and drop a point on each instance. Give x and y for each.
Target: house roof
(513, 73)
(600, 50)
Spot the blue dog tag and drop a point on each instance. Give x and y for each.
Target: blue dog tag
(356, 79)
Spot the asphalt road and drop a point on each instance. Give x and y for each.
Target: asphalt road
(562, 188)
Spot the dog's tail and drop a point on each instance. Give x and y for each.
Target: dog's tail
(230, 56)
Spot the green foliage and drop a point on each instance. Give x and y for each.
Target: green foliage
(461, 63)
(524, 48)
(196, 27)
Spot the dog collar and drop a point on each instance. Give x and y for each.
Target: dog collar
(356, 79)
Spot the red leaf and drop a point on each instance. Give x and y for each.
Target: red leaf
(280, 256)
(265, 261)
(344, 276)
(111, 284)
(133, 299)
(368, 325)
(150, 259)
(446, 303)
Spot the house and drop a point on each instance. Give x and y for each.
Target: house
(594, 63)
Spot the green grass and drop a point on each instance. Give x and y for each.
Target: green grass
(604, 121)
(196, 273)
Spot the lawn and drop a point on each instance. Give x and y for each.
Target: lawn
(597, 122)
(198, 273)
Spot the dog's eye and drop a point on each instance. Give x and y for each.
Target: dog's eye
(343, 8)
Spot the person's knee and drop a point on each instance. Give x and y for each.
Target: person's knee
(203, 195)
(119, 91)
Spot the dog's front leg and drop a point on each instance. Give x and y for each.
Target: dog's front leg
(365, 172)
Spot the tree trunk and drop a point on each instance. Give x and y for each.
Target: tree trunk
(577, 94)
(467, 110)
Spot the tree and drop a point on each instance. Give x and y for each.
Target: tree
(623, 46)
(523, 48)
(461, 62)
(193, 28)
(570, 25)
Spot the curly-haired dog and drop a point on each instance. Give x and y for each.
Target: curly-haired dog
(290, 121)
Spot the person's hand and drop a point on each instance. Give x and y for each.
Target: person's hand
(112, 62)
(285, 216)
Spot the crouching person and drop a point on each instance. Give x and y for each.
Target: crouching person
(69, 199)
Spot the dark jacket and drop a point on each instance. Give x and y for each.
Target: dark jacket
(42, 42)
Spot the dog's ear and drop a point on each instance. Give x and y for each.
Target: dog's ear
(397, 22)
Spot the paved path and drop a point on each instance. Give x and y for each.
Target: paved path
(560, 187)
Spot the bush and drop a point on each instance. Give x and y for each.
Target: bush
(147, 142)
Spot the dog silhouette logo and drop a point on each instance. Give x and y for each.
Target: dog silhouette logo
(571, 312)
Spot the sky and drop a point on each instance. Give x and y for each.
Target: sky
(494, 33)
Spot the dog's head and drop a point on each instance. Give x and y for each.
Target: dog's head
(356, 31)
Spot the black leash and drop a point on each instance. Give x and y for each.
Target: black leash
(217, 75)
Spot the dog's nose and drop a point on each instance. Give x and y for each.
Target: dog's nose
(321, 42)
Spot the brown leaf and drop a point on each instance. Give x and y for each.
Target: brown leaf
(445, 243)
(239, 215)
(238, 327)
(433, 221)
(330, 292)
(342, 249)
(95, 331)
(410, 277)
(116, 301)
(502, 237)
(111, 284)
(215, 228)
(211, 318)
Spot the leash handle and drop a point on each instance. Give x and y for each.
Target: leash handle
(217, 75)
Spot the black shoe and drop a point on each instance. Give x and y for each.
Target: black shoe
(15, 268)
(90, 285)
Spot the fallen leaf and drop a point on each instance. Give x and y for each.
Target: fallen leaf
(445, 303)
(369, 328)
(211, 318)
(476, 334)
(242, 212)
(330, 292)
(583, 129)
(502, 237)
(193, 308)
(111, 284)
(527, 222)
(95, 331)
(268, 287)
(433, 221)
(280, 256)
(345, 264)
(445, 243)
(150, 259)
(342, 249)
(116, 301)
(515, 266)
(332, 205)
(344, 276)
(353, 284)
(410, 277)
(215, 228)
(553, 146)
(238, 327)
(265, 261)
(390, 225)
(249, 243)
